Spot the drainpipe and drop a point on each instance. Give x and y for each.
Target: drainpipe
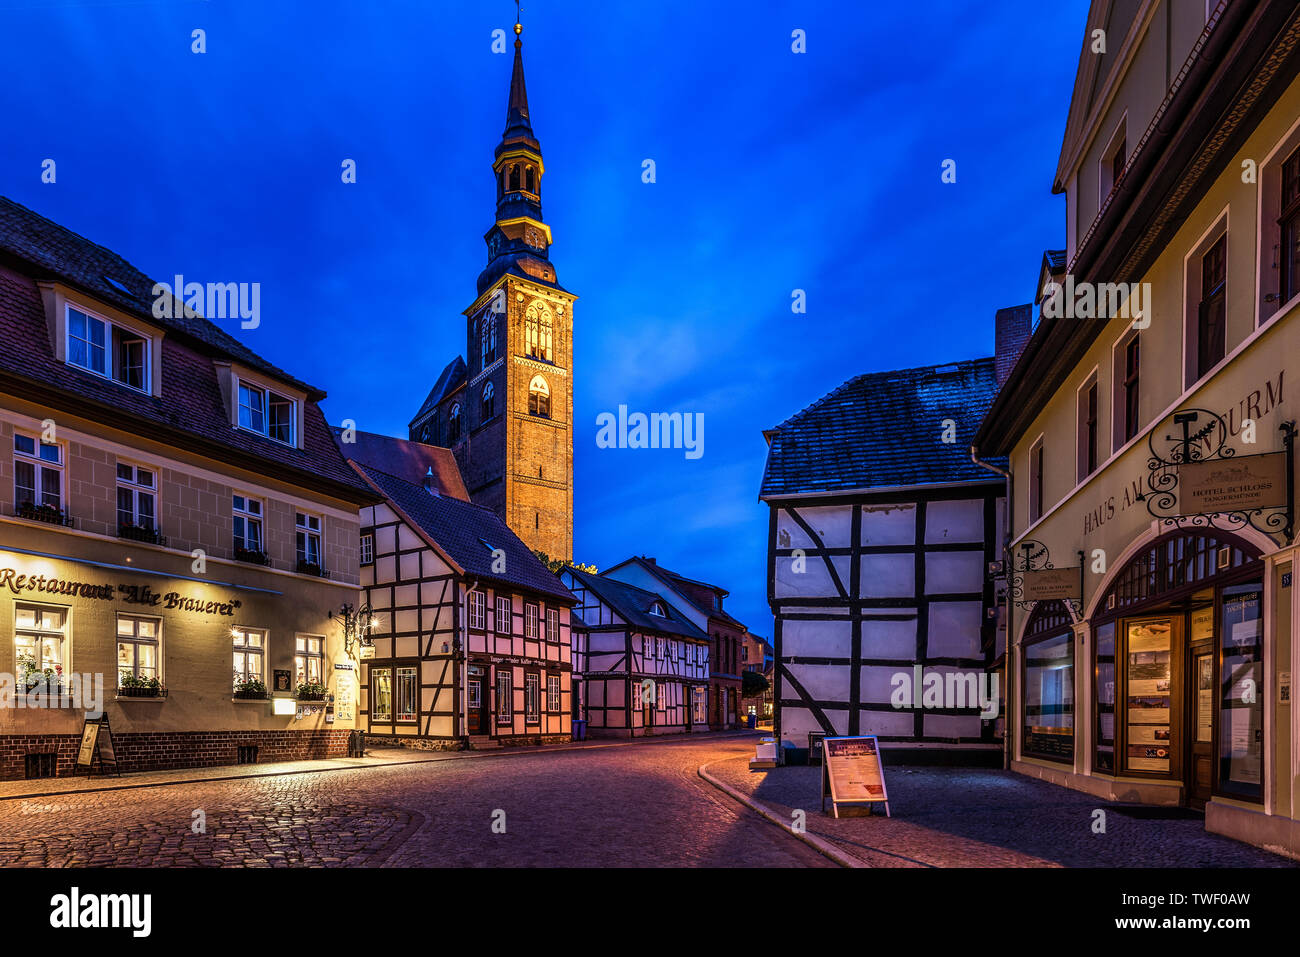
(462, 713)
(1006, 597)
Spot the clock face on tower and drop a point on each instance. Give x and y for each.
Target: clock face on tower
(533, 237)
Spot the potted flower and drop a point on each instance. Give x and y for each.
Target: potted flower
(131, 685)
(37, 679)
(249, 687)
(310, 691)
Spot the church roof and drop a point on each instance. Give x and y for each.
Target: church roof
(452, 378)
(410, 461)
(884, 430)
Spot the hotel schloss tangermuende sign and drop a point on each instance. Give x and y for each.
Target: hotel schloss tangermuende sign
(1229, 485)
(21, 584)
(1051, 584)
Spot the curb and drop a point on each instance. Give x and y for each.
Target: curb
(821, 845)
(441, 756)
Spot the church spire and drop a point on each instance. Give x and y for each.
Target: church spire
(517, 109)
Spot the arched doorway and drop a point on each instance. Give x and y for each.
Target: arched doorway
(1177, 661)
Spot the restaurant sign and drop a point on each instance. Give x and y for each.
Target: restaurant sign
(21, 584)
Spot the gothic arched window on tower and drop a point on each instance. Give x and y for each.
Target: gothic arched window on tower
(530, 181)
(489, 403)
(514, 176)
(453, 424)
(489, 335)
(538, 332)
(539, 398)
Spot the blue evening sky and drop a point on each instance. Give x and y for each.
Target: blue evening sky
(775, 172)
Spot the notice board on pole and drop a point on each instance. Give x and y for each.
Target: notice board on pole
(852, 773)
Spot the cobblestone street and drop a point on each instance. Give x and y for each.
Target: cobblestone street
(639, 805)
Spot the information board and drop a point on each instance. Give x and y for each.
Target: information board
(97, 738)
(852, 772)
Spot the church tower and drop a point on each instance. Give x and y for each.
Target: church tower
(510, 424)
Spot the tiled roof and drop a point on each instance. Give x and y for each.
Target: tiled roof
(883, 430)
(633, 605)
(1055, 258)
(468, 533)
(405, 460)
(191, 403)
(453, 375)
(55, 252)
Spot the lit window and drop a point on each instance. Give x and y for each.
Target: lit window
(505, 698)
(136, 498)
(407, 694)
(538, 331)
(137, 647)
(40, 633)
(539, 398)
(250, 652)
(266, 413)
(309, 660)
(108, 350)
(381, 694)
(532, 697)
(38, 476)
(553, 693)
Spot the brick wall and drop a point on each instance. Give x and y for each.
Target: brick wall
(164, 750)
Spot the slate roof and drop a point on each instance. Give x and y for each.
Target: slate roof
(190, 406)
(675, 581)
(452, 378)
(56, 252)
(633, 604)
(468, 533)
(883, 430)
(405, 460)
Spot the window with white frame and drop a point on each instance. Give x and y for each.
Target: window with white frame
(408, 691)
(136, 497)
(552, 624)
(701, 704)
(504, 622)
(107, 349)
(553, 693)
(267, 413)
(505, 698)
(250, 653)
(659, 647)
(367, 548)
(661, 698)
(530, 620)
(247, 515)
(40, 639)
(307, 528)
(477, 611)
(309, 660)
(38, 474)
(532, 697)
(381, 694)
(138, 646)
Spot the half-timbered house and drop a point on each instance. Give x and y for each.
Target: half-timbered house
(881, 533)
(647, 667)
(701, 604)
(470, 632)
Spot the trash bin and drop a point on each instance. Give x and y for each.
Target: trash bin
(751, 721)
(356, 744)
(579, 729)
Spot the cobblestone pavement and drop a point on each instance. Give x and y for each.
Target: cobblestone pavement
(634, 805)
(963, 817)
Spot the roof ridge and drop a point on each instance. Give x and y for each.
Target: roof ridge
(421, 488)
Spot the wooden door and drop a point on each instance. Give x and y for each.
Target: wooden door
(1199, 723)
(475, 706)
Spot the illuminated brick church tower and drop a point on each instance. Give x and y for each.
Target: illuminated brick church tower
(506, 413)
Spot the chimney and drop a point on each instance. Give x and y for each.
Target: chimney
(1012, 327)
(429, 483)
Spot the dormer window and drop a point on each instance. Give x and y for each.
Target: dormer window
(107, 349)
(266, 413)
(657, 609)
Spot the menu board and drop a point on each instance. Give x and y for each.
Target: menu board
(1149, 696)
(853, 771)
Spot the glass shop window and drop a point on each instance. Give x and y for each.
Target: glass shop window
(1049, 697)
(1241, 688)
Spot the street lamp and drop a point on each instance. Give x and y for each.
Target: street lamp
(356, 624)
